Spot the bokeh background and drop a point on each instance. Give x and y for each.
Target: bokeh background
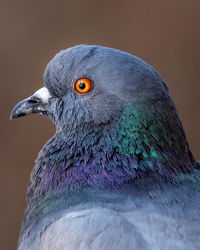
(164, 33)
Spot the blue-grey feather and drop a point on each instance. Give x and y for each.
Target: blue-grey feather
(122, 147)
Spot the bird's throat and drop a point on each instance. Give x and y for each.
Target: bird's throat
(108, 156)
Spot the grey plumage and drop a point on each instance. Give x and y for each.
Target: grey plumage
(118, 173)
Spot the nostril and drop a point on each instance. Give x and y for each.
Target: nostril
(34, 100)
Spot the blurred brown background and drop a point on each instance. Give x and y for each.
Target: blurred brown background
(164, 33)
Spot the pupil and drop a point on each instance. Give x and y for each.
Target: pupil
(82, 85)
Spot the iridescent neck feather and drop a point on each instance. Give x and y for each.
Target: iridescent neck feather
(143, 142)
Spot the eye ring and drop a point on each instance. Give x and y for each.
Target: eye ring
(83, 85)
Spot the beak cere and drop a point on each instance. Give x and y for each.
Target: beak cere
(36, 103)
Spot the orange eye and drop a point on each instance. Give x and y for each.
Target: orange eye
(83, 85)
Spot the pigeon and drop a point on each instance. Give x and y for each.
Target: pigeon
(118, 173)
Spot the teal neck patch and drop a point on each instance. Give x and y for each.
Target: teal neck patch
(152, 139)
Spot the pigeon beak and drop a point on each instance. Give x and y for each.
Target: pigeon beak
(36, 103)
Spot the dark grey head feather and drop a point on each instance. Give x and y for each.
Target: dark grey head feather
(118, 78)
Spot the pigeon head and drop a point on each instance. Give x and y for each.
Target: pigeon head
(108, 79)
(115, 120)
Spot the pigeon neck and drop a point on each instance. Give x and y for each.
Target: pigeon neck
(139, 144)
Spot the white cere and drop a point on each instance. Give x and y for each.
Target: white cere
(43, 94)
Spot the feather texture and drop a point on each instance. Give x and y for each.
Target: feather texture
(118, 173)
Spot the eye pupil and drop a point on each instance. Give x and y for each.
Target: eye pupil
(82, 85)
